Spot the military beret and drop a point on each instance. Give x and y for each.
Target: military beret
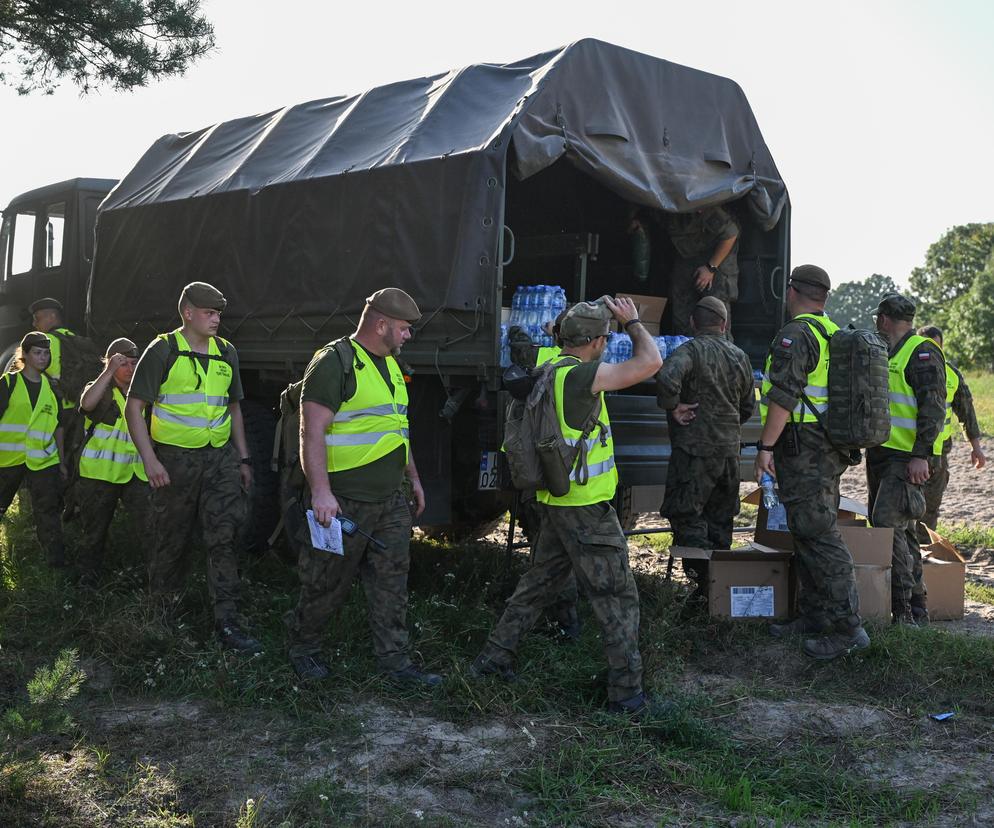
(584, 322)
(121, 346)
(203, 295)
(35, 339)
(811, 275)
(395, 303)
(715, 305)
(45, 304)
(896, 306)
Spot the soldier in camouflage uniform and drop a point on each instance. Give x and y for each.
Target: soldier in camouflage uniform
(196, 457)
(897, 470)
(579, 531)
(962, 406)
(796, 451)
(355, 451)
(706, 388)
(108, 468)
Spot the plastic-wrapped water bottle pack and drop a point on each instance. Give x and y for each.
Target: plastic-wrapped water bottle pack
(532, 306)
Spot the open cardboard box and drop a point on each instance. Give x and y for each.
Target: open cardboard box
(944, 571)
(872, 551)
(747, 583)
(650, 309)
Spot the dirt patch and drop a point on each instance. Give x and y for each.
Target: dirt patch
(781, 720)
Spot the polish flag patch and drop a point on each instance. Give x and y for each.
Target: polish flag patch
(786, 343)
(924, 356)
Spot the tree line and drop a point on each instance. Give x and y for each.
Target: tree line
(953, 289)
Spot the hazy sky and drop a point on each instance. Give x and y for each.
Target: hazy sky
(878, 114)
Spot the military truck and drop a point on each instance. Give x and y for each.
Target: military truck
(457, 187)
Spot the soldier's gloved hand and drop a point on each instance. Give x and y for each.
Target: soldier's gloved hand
(157, 474)
(325, 507)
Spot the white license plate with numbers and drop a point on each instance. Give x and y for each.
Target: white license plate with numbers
(489, 471)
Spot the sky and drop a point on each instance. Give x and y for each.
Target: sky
(878, 114)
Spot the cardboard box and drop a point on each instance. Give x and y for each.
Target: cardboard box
(746, 583)
(650, 310)
(873, 585)
(945, 578)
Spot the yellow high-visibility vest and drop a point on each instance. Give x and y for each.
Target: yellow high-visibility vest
(27, 434)
(54, 369)
(191, 410)
(373, 422)
(816, 387)
(903, 403)
(109, 454)
(547, 353)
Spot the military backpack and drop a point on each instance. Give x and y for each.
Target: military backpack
(81, 361)
(858, 414)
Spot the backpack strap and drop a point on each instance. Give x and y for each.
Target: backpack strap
(347, 354)
(223, 347)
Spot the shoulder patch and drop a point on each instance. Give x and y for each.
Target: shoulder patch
(785, 342)
(924, 356)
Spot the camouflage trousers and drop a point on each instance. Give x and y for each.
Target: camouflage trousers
(587, 541)
(97, 500)
(684, 295)
(897, 504)
(205, 491)
(45, 487)
(701, 502)
(809, 489)
(934, 489)
(326, 581)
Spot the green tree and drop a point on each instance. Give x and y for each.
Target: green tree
(118, 43)
(854, 302)
(951, 265)
(968, 336)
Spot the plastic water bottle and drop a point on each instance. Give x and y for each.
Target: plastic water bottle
(660, 345)
(770, 499)
(624, 347)
(505, 346)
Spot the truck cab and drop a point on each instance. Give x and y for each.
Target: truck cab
(46, 243)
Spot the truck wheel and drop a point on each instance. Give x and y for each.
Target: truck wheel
(260, 428)
(623, 506)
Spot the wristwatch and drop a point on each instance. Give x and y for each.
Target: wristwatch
(634, 321)
(711, 267)
(246, 461)
(761, 447)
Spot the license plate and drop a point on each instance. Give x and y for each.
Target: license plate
(488, 471)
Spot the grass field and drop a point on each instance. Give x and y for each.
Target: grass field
(117, 710)
(982, 387)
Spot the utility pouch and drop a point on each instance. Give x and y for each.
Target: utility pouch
(791, 440)
(554, 470)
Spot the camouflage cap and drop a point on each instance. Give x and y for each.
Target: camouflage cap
(809, 274)
(897, 306)
(203, 295)
(35, 339)
(121, 346)
(395, 303)
(47, 303)
(584, 322)
(715, 305)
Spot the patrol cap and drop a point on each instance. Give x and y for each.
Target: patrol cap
(395, 303)
(203, 295)
(896, 306)
(121, 346)
(35, 339)
(584, 322)
(810, 274)
(47, 303)
(715, 305)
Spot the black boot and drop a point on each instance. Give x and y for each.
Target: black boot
(919, 610)
(233, 637)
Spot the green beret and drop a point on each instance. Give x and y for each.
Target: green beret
(715, 305)
(395, 303)
(811, 275)
(121, 346)
(203, 295)
(45, 304)
(35, 339)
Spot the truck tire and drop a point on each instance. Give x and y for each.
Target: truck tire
(260, 428)
(623, 506)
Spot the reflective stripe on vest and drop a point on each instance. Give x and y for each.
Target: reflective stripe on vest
(903, 403)
(28, 434)
(817, 383)
(109, 454)
(191, 410)
(602, 475)
(373, 422)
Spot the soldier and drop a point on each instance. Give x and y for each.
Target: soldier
(897, 470)
(794, 448)
(196, 458)
(706, 388)
(959, 400)
(579, 531)
(355, 450)
(110, 469)
(46, 316)
(31, 442)
(706, 243)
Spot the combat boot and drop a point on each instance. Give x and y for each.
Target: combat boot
(310, 668)
(642, 707)
(568, 621)
(411, 676)
(233, 637)
(836, 644)
(901, 614)
(919, 610)
(483, 666)
(802, 625)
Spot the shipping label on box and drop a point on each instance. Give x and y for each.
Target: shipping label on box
(752, 601)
